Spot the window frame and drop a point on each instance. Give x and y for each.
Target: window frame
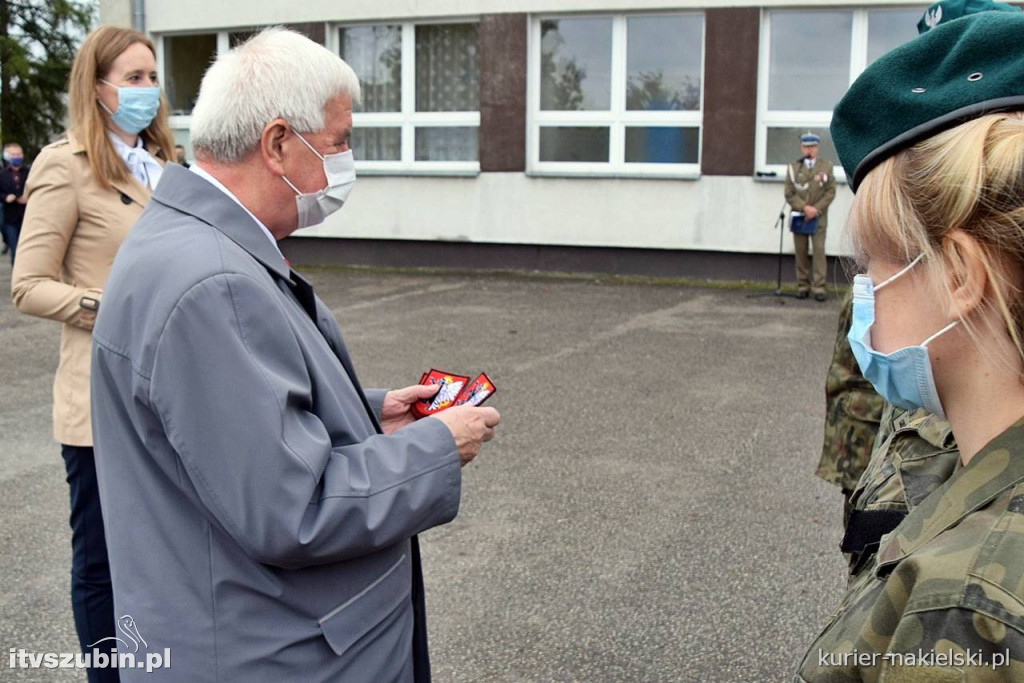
(780, 118)
(183, 121)
(617, 118)
(408, 123)
(408, 119)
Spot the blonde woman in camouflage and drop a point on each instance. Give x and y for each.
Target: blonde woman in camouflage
(932, 139)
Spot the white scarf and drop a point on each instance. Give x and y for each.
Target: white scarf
(139, 161)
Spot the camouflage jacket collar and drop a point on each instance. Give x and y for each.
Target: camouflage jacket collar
(935, 431)
(996, 468)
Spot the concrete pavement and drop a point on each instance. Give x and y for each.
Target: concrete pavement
(648, 511)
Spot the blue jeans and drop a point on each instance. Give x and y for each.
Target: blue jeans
(92, 598)
(11, 234)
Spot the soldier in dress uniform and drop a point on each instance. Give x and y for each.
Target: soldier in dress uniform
(810, 188)
(932, 137)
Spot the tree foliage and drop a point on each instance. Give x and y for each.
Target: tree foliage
(561, 77)
(38, 39)
(649, 91)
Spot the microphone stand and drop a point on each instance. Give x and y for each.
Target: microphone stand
(780, 225)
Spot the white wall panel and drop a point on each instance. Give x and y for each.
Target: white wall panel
(714, 213)
(116, 12)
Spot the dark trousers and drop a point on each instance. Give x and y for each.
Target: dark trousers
(11, 233)
(92, 598)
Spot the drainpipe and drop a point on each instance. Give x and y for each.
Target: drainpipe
(139, 15)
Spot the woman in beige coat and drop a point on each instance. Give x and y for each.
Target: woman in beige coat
(85, 193)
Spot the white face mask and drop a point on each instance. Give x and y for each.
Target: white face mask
(340, 170)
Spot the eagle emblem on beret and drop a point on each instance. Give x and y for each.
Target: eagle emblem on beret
(933, 17)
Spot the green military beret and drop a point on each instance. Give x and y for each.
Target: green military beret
(954, 72)
(948, 10)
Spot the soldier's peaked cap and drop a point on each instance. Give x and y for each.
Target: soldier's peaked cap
(953, 73)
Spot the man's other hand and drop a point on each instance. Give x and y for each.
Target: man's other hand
(810, 212)
(395, 412)
(471, 426)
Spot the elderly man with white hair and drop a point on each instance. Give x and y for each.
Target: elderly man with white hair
(261, 508)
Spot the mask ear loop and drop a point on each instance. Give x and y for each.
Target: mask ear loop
(311, 147)
(899, 274)
(104, 106)
(941, 332)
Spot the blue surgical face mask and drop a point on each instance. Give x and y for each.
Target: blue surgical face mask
(903, 377)
(136, 107)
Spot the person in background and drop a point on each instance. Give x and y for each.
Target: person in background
(5, 248)
(852, 411)
(810, 189)
(179, 155)
(933, 137)
(12, 190)
(85, 193)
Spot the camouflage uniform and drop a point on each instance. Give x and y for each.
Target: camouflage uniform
(852, 412)
(915, 453)
(949, 580)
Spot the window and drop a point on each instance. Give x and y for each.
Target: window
(185, 59)
(809, 59)
(616, 95)
(429, 125)
(421, 96)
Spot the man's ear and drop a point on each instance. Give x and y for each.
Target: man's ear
(272, 145)
(969, 276)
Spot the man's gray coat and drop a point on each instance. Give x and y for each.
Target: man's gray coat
(259, 524)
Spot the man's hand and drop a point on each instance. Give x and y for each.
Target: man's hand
(395, 410)
(9, 198)
(471, 426)
(810, 212)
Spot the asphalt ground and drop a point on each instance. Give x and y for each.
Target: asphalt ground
(648, 511)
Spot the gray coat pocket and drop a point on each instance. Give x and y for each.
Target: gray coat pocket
(350, 621)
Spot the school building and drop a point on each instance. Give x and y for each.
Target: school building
(630, 136)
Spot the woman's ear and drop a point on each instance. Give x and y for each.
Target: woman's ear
(968, 273)
(272, 145)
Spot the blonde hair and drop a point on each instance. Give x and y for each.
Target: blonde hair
(968, 178)
(88, 120)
